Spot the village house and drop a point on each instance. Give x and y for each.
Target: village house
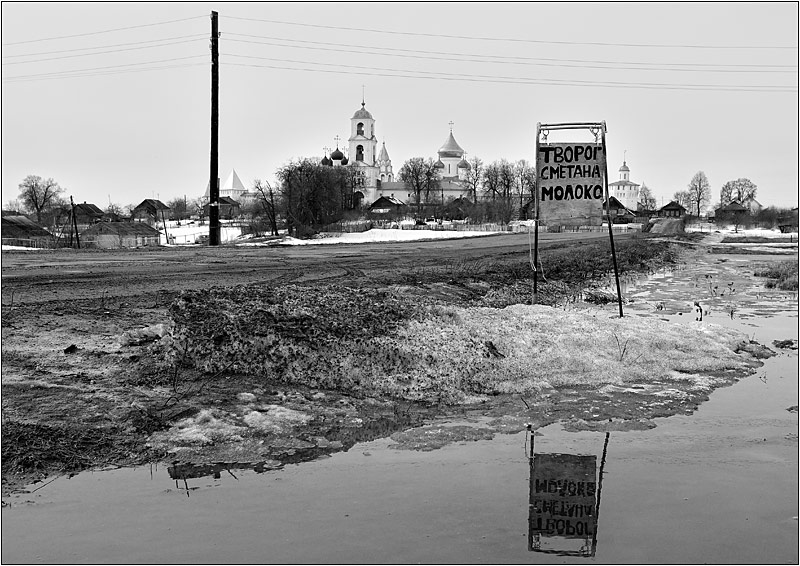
(87, 214)
(116, 235)
(150, 211)
(671, 210)
(620, 214)
(18, 230)
(228, 208)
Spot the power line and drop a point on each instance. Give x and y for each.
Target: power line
(56, 73)
(516, 40)
(529, 62)
(521, 58)
(103, 31)
(100, 52)
(765, 88)
(78, 74)
(59, 51)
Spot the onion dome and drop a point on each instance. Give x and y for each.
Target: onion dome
(362, 113)
(624, 167)
(326, 161)
(438, 164)
(463, 164)
(345, 161)
(451, 148)
(337, 155)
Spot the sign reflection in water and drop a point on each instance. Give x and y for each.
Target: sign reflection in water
(564, 502)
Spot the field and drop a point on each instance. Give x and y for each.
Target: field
(201, 356)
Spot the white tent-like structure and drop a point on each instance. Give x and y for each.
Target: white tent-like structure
(232, 188)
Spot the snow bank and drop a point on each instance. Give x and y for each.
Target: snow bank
(385, 235)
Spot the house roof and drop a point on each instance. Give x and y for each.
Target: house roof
(22, 226)
(88, 209)
(732, 206)
(151, 204)
(120, 229)
(615, 203)
(672, 205)
(386, 201)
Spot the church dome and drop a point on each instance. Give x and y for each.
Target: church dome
(624, 167)
(362, 113)
(344, 161)
(384, 155)
(326, 161)
(451, 148)
(337, 155)
(463, 164)
(438, 164)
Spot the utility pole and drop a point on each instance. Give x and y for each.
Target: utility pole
(75, 222)
(213, 183)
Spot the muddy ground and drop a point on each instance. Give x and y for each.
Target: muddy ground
(84, 383)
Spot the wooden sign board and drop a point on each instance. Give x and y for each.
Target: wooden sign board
(570, 187)
(562, 496)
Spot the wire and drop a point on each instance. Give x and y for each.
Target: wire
(523, 80)
(521, 60)
(99, 52)
(103, 31)
(56, 73)
(104, 73)
(517, 40)
(527, 81)
(103, 46)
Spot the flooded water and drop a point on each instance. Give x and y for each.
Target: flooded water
(718, 486)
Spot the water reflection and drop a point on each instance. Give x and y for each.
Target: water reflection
(564, 502)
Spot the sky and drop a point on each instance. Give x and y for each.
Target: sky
(112, 100)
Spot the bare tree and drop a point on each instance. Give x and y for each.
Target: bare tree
(682, 198)
(699, 191)
(266, 196)
(646, 198)
(38, 194)
(738, 190)
(419, 175)
(474, 178)
(526, 182)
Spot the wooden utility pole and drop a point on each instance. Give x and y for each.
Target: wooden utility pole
(75, 222)
(213, 182)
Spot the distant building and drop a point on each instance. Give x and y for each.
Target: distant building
(21, 231)
(374, 173)
(228, 208)
(619, 212)
(115, 235)
(150, 211)
(624, 190)
(234, 189)
(387, 205)
(672, 210)
(87, 214)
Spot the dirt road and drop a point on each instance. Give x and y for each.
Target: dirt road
(68, 275)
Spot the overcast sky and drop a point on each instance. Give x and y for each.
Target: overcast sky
(113, 100)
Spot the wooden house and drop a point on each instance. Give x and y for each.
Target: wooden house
(22, 231)
(151, 211)
(671, 210)
(115, 235)
(228, 208)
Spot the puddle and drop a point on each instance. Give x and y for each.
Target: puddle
(717, 486)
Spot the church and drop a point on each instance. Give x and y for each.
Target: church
(374, 174)
(624, 190)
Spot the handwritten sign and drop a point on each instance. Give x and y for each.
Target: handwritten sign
(562, 496)
(570, 183)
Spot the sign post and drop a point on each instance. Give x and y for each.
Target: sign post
(571, 186)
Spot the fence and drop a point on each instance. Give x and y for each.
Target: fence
(29, 243)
